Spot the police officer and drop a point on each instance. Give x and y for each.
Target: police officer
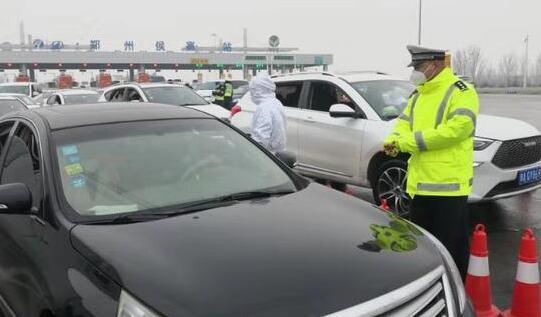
(228, 94)
(436, 128)
(219, 94)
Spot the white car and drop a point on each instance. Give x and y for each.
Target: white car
(205, 89)
(72, 97)
(10, 103)
(30, 89)
(170, 94)
(337, 124)
(28, 102)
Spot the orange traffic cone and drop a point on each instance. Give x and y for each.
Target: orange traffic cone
(478, 277)
(526, 296)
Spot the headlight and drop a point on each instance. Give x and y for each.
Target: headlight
(481, 144)
(130, 307)
(456, 279)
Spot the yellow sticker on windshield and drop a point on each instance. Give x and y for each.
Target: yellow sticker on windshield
(74, 169)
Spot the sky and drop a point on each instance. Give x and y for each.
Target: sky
(362, 34)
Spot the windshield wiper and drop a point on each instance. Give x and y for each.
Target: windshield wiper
(186, 208)
(192, 104)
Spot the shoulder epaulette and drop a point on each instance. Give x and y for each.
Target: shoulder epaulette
(461, 85)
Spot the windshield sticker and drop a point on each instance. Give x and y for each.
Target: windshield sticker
(74, 169)
(69, 150)
(78, 181)
(113, 209)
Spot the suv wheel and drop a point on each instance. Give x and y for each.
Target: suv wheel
(390, 184)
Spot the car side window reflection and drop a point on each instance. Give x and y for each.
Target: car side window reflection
(22, 163)
(324, 95)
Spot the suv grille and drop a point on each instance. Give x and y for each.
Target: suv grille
(426, 297)
(520, 152)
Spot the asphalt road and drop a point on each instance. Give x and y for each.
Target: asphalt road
(505, 219)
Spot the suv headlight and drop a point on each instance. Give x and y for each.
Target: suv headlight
(453, 271)
(130, 307)
(480, 144)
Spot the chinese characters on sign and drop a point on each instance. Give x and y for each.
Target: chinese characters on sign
(38, 44)
(95, 45)
(190, 46)
(57, 45)
(227, 47)
(129, 46)
(160, 46)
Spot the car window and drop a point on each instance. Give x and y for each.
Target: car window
(289, 93)
(136, 166)
(5, 128)
(387, 97)
(323, 95)
(80, 99)
(119, 95)
(22, 163)
(133, 95)
(238, 83)
(109, 95)
(174, 95)
(15, 89)
(211, 85)
(7, 106)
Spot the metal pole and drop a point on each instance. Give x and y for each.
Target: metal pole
(420, 20)
(525, 80)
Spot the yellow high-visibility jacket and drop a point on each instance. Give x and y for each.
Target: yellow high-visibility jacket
(437, 129)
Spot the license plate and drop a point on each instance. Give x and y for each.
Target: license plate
(529, 176)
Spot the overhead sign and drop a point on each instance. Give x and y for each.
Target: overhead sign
(190, 46)
(274, 41)
(200, 61)
(160, 46)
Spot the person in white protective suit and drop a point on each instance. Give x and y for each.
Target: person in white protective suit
(269, 121)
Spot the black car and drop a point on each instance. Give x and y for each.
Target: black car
(135, 210)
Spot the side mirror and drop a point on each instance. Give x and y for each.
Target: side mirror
(287, 158)
(342, 111)
(15, 198)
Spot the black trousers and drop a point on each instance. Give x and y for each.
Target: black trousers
(447, 219)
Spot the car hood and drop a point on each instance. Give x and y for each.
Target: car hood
(204, 93)
(214, 110)
(503, 129)
(310, 253)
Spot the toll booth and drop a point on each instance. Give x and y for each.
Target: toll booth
(65, 81)
(22, 78)
(104, 80)
(143, 78)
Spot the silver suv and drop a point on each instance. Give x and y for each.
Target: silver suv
(337, 124)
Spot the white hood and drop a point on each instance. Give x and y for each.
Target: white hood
(262, 88)
(503, 129)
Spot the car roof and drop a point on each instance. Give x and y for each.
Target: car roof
(7, 94)
(144, 85)
(8, 97)
(17, 84)
(351, 76)
(60, 117)
(71, 92)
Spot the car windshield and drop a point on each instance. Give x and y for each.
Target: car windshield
(80, 99)
(174, 95)
(7, 106)
(140, 166)
(211, 85)
(15, 89)
(387, 97)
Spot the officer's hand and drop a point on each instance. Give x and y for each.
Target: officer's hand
(391, 149)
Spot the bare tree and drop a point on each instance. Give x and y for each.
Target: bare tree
(537, 71)
(474, 60)
(459, 62)
(508, 69)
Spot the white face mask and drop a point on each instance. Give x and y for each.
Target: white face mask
(417, 77)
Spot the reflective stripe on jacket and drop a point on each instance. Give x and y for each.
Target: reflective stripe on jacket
(228, 90)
